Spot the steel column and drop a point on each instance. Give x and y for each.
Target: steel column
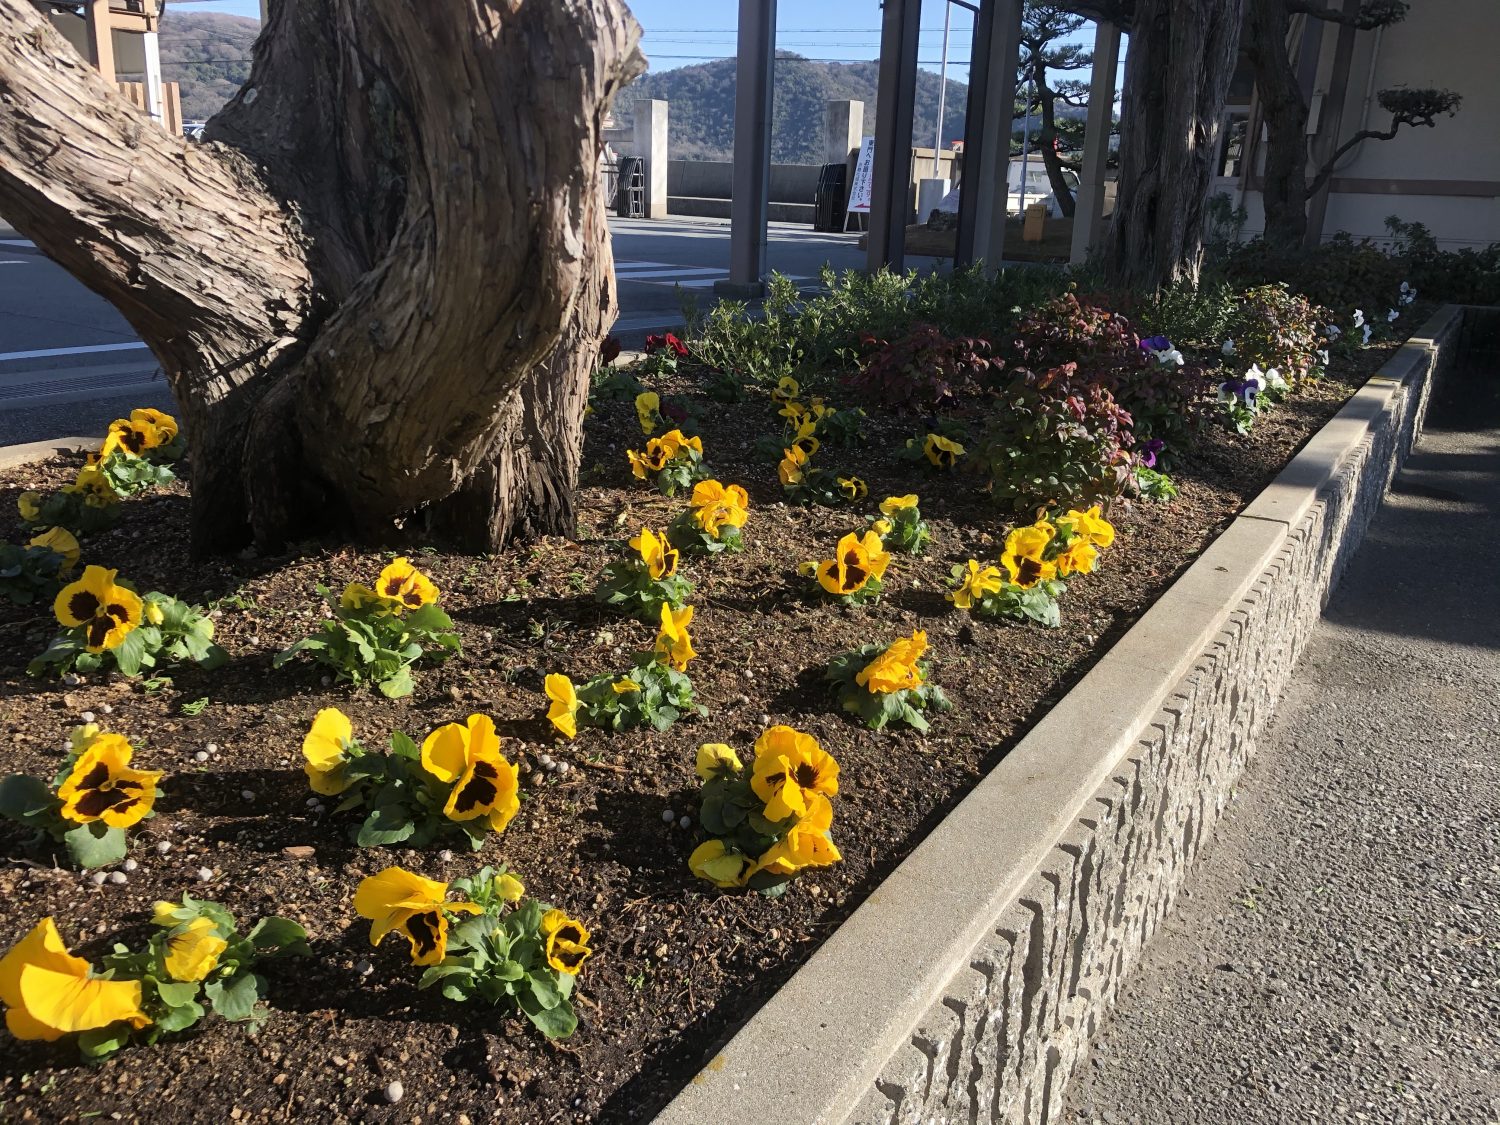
(901, 21)
(754, 78)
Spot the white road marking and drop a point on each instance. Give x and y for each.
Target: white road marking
(48, 353)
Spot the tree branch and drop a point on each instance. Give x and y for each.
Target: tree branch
(1369, 15)
(188, 244)
(1406, 107)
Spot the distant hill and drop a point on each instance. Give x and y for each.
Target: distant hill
(208, 56)
(701, 118)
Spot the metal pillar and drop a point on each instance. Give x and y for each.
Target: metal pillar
(1088, 209)
(991, 110)
(894, 112)
(754, 74)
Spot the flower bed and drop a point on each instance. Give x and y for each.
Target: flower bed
(673, 962)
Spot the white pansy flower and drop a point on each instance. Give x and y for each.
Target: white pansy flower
(1228, 348)
(1359, 318)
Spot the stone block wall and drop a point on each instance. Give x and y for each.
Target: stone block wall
(1017, 1019)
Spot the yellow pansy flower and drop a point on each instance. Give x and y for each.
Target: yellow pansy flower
(102, 787)
(895, 669)
(787, 389)
(853, 488)
(29, 504)
(647, 410)
(806, 843)
(1090, 525)
(625, 687)
(562, 711)
(673, 443)
(417, 908)
(164, 423)
(673, 642)
(942, 452)
(405, 586)
(508, 887)
(194, 953)
(977, 581)
(49, 993)
(856, 560)
(325, 748)
(793, 466)
(62, 541)
(789, 766)
(484, 782)
(1080, 557)
(656, 552)
(566, 942)
(653, 461)
(715, 758)
(713, 861)
(893, 504)
(105, 611)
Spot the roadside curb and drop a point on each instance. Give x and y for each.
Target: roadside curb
(968, 984)
(13, 455)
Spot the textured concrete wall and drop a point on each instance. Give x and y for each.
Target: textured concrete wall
(1014, 1022)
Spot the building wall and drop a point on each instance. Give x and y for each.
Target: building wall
(1447, 177)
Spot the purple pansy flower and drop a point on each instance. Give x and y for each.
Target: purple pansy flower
(1149, 451)
(1156, 344)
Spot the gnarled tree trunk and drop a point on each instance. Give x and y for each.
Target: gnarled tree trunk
(1177, 71)
(378, 288)
(1284, 188)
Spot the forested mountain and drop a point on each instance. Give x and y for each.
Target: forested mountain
(702, 106)
(208, 56)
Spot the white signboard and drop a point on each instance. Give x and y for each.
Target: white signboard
(864, 176)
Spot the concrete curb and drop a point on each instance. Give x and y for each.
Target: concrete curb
(13, 455)
(967, 985)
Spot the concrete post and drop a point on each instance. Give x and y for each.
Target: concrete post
(154, 101)
(844, 127)
(992, 100)
(1088, 210)
(895, 107)
(651, 147)
(754, 74)
(101, 43)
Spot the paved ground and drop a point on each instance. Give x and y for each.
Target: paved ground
(69, 363)
(1336, 957)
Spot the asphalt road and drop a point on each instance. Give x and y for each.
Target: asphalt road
(69, 363)
(1336, 956)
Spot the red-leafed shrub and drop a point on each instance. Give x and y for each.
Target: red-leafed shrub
(926, 368)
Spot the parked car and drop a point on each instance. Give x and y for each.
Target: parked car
(1038, 186)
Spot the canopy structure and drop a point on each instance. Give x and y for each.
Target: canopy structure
(990, 117)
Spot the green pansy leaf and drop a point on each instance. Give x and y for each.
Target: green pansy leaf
(278, 933)
(131, 652)
(398, 685)
(557, 1022)
(386, 825)
(402, 745)
(103, 1041)
(23, 797)
(95, 845)
(174, 994)
(180, 1017)
(234, 999)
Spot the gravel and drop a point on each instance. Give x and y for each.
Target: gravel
(1336, 957)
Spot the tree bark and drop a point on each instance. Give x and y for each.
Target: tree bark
(378, 288)
(1285, 188)
(1047, 138)
(1177, 71)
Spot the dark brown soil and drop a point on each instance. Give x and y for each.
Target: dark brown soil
(678, 965)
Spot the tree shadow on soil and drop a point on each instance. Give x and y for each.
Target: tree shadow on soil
(627, 830)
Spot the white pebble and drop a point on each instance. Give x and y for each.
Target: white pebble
(765, 720)
(163, 847)
(668, 816)
(313, 802)
(749, 675)
(742, 699)
(201, 756)
(129, 865)
(97, 878)
(255, 640)
(71, 680)
(327, 681)
(395, 1092)
(212, 748)
(107, 708)
(205, 875)
(86, 716)
(685, 823)
(445, 856)
(247, 794)
(564, 767)
(118, 878)
(364, 968)
(545, 759)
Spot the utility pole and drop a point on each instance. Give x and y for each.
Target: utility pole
(937, 145)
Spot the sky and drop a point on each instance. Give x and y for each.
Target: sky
(682, 32)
